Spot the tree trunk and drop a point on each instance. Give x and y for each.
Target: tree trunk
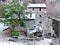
(13, 27)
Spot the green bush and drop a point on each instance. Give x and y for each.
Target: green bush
(15, 34)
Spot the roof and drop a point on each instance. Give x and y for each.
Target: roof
(36, 5)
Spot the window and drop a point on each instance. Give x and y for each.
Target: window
(40, 15)
(40, 22)
(40, 9)
(30, 14)
(33, 9)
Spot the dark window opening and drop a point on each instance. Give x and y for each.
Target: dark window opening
(30, 14)
(40, 15)
(40, 22)
(40, 9)
(33, 9)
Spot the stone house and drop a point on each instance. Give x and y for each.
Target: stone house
(41, 17)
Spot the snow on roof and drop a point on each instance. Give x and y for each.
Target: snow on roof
(36, 5)
(2, 27)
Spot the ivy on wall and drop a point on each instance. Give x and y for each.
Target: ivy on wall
(56, 27)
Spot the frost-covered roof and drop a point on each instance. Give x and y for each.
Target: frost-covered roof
(2, 27)
(36, 5)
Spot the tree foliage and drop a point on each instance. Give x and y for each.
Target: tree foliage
(14, 13)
